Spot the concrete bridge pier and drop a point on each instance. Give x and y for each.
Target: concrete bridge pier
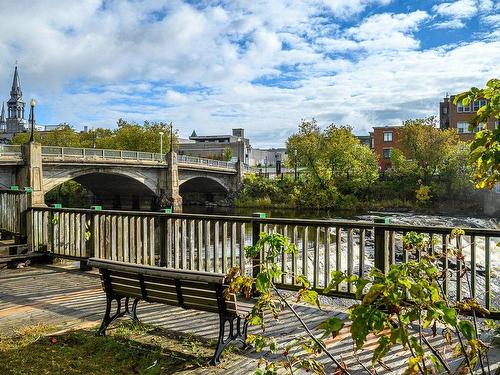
(31, 173)
(172, 196)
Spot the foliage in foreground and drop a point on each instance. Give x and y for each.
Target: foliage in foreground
(485, 149)
(408, 307)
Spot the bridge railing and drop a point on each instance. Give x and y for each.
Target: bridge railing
(11, 151)
(74, 152)
(184, 159)
(216, 243)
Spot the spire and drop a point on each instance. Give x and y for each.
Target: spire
(15, 92)
(2, 116)
(193, 134)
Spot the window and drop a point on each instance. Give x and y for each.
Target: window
(478, 104)
(461, 108)
(463, 127)
(387, 136)
(387, 153)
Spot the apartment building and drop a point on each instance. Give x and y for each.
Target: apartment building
(384, 139)
(457, 116)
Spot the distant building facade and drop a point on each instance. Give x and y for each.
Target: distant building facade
(12, 121)
(384, 140)
(457, 117)
(215, 146)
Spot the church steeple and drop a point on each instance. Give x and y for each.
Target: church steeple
(3, 123)
(15, 91)
(15, 107)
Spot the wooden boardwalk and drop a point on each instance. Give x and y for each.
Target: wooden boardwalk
(63, 296)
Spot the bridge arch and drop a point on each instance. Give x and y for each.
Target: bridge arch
(111, 187)
(202, 189)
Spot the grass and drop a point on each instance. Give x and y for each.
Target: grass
(127, 349)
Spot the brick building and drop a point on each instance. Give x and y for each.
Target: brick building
(385, 138)
(453, 116)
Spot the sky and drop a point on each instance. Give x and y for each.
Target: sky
(211, 66)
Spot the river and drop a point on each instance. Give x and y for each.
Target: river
(412, 218)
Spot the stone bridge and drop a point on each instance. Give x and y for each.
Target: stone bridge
(119, 179)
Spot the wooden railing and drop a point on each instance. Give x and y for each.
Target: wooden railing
(216, 243)
(13, 207)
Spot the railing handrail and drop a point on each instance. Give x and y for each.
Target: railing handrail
(288, 221)
(124, 154)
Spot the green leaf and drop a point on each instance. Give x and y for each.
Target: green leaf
(331, 326)
(449, 315)
(262, 282)
(467, 329)
(383, 347)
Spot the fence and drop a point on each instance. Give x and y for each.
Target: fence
(13, 207)
(216, 243)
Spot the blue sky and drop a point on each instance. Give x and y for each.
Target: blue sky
(262, 65)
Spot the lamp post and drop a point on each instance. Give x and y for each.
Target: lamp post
(161, 145)
(238, 150)
(32, 113)
(295, 164)
(171, 137)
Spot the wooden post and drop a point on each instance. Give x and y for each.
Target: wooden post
(255, 238)
(90, 243)
(381, 256)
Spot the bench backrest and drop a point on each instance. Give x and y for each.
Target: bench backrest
(188, 289)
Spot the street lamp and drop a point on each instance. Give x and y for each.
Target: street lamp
(32, 113)
(295, 163)
(161, 145)
(239, 151)
(171, 137)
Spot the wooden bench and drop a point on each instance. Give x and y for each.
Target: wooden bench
(195, 290)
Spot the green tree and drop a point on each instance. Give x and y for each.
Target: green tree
(485, 148)
(334, 159)
(63, 136)
(426, 147)
(228, 153)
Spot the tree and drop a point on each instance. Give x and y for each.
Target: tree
(426, 147)
(335, 161)
(485, 148)
(228, 154)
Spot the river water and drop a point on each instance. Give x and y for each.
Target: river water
(412, 218)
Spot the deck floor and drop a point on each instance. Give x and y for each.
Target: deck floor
(68, 298)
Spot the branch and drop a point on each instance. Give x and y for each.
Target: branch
(438, 355)
(319, 343)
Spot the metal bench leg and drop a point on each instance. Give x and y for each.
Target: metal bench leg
(237, 332)
(107, 319)
(220, 341)
(132, 312)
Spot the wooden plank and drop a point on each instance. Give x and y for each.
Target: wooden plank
(350, 256)
(145, 241)
(207, 246)
(458, 242)
(192, 234)
(184, 239)
(487, 273)
(284, 267)
(113, 237)
(295, 240)
(216, 246)
(199, 263)
(473, 265)
(362, 239)
(233, 244)
(138, 240)
(125, 239)
(224, 247)
(338, 251)
(119, 238)
(242, 247)
(305, 250)
(168, 260)
(132, 241)
(445, 264)
(327, 273)
(177, 242)
(152, 253)
(316, 257)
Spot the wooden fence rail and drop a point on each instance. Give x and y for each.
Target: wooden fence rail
(13, 208)
(216, 243)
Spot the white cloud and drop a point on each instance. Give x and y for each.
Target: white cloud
(260, 65)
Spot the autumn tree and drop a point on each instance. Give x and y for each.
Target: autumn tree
(485, 148)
